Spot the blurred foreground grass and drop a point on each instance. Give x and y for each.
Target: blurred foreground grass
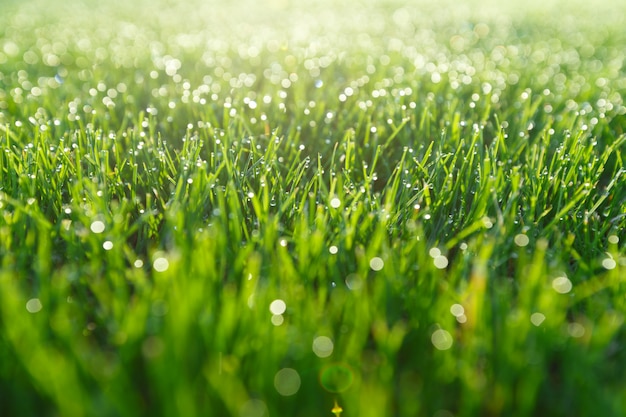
(260, 208)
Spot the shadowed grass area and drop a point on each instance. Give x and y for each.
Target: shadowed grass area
(396, 209)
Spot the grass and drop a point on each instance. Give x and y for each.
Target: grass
(385, 209)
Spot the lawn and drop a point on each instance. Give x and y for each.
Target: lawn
(271, 208)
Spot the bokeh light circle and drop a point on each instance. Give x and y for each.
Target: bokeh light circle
(336, 377)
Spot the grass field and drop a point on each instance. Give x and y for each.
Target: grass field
(269, 208)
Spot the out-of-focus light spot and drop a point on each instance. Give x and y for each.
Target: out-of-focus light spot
(97, 227)
(277, 319)
(287, 382)
(323, 346)
(609, 263)
(576, 330)
(457, 310)
(376, 263)
(161, 264)
(441, 339)
(434, 252)
(537, 319)
(34, 305)
(521, 240)
(253, 408)
(562, 285)
(354, 282)
(278, 307)
(440, 262)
